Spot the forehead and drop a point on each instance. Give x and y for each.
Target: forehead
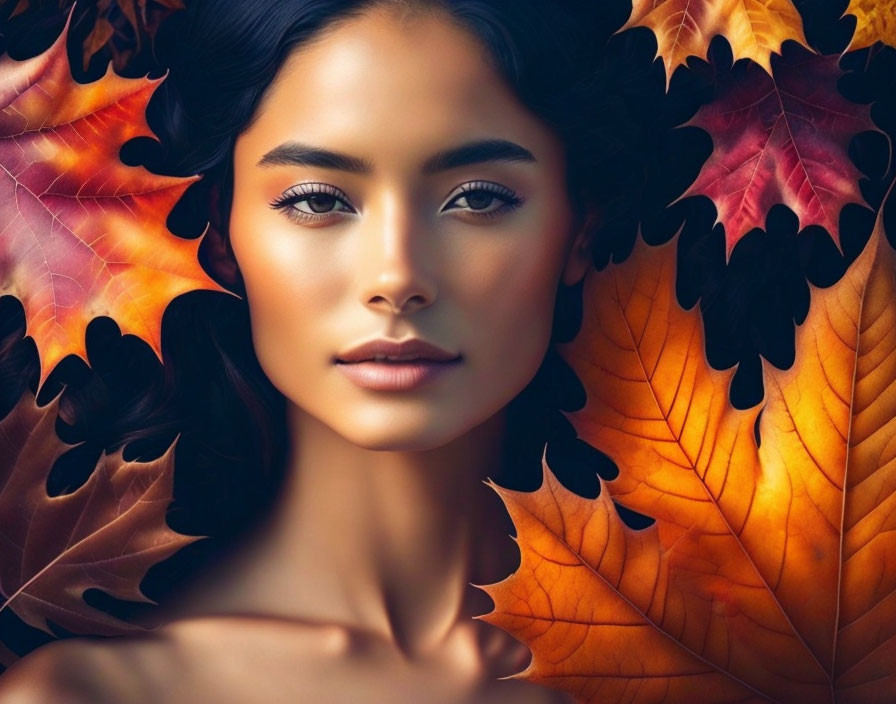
(390, 81)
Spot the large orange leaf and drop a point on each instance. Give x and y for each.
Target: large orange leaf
(781, 140)
(81, 233)
(769, 574)
(105, 535)
(683, 28)
(875, 22)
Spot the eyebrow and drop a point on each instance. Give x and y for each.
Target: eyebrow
(476, 152)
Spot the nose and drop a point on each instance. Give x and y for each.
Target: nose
(396, 260)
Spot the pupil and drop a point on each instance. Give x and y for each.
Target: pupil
(479, 199)
(321, 203)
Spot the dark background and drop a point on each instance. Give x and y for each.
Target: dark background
(750, 306)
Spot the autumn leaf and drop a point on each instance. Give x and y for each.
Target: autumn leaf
(782, 140)
(142, 17)
(98, 38)
(769, 573)
(683, 28)
(83, 234)
(135, 20)
(875, 22)
(21, 6)
(105, 535)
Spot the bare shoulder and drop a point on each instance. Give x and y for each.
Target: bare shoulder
(251, 660)
(183, 661)
(78, 671)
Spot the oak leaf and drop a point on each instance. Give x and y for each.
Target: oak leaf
(875, 22)
(81, 233)
(754, 28)
(105, 535)
(780, 140)
(769, 572)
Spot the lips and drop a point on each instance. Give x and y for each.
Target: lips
(388, 365)
(392, 351)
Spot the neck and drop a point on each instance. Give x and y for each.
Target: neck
(386, 542)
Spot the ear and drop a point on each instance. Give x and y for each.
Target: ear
(221, 262)
(579, 258)
(215, 249)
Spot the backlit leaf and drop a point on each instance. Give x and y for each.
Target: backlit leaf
(781, 140)
(81, 233)
(754, 28)
(875, 22)
(769, 573)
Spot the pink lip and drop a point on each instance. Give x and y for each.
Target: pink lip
(395, 376)
(412, 347)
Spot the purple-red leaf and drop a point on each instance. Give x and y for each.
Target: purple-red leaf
(781, 140)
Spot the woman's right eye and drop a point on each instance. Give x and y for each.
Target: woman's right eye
(310, 202)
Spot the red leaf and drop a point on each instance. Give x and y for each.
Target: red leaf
(781, 140)
(83, 234)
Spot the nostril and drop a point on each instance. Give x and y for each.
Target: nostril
(413, 302)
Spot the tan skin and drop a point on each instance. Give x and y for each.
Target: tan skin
(357, 586)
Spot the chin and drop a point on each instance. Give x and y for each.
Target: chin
(391, 434)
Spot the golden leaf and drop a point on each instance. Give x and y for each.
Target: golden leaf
(875, 22)
(683, 28)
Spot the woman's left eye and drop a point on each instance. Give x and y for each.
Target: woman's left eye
(486, 199)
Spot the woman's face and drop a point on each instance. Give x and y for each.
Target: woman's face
(465, 251)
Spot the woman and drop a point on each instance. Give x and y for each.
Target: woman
(405, 187)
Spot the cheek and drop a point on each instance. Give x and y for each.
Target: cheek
(508, 291)
(291, 282)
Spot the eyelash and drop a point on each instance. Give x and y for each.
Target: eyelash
(299, 193)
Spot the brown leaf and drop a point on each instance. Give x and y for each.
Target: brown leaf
(768, 575)
(83, 234)
(104, 535)
(130, 12)
(100, 34)
(138, 22)
(21, 6)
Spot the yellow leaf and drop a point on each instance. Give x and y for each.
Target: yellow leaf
(875, 22)
(683, 28)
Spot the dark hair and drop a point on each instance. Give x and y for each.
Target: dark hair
(221, 57)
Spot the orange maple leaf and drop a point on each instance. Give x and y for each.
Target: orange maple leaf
(83, 234)
(683, 28)
(769, 572)
(875, 22)
(105, 535)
